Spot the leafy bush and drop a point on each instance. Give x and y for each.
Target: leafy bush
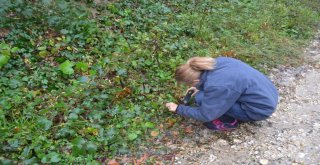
(81, 81)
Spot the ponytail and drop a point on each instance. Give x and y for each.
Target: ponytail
(201, 63)
(191, 71)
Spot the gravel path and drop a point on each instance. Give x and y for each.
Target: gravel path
(290, 136)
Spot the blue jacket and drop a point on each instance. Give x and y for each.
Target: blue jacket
(229, 82)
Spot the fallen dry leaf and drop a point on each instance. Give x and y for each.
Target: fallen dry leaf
(154, 133)
(188, 129)
(161, 127)
(170, 123)
(141, 160)
(229, 53)
(175, 133)
(113, 162)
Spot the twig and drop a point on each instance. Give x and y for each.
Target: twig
(173, 159)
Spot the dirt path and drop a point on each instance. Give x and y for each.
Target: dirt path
(290, 136)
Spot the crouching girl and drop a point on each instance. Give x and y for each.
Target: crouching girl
(226, 91)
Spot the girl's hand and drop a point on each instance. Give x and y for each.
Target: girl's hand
(172, 106)
(193, 89)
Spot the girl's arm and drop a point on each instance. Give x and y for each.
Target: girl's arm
(216, 101)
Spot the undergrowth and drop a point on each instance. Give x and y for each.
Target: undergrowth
(85, 81)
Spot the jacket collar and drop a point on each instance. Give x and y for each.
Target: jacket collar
(203, 78)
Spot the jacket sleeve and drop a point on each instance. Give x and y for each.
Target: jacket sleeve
(216, 101)
(199, 97)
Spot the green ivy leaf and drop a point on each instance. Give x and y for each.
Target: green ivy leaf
(66, 67)
(73, 116)
(55, 157)
(78, 150)
(43, 53)
(32, 160)
(94, 162)
(78, 146)
(92, 72)
(6, 162)
(78, 141)
(45, 123)
(83, 79)
(26, 152)
(121, 72)
(82, 66)
(3, 60)
(64, 132)
(4, 46)
(64, 31)
(132, 136)
(42, 48)
(15, 49)
(52, 157)
(149, 125)
(134, 63)
(91, 147)
(6, 52)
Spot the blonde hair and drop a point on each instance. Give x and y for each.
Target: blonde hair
(191, 71)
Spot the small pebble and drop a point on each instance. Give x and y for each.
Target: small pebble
(237, 141)
(264, 161)
(301, 155)
(222, 142)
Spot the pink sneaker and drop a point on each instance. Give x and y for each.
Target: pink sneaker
(220, 125)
